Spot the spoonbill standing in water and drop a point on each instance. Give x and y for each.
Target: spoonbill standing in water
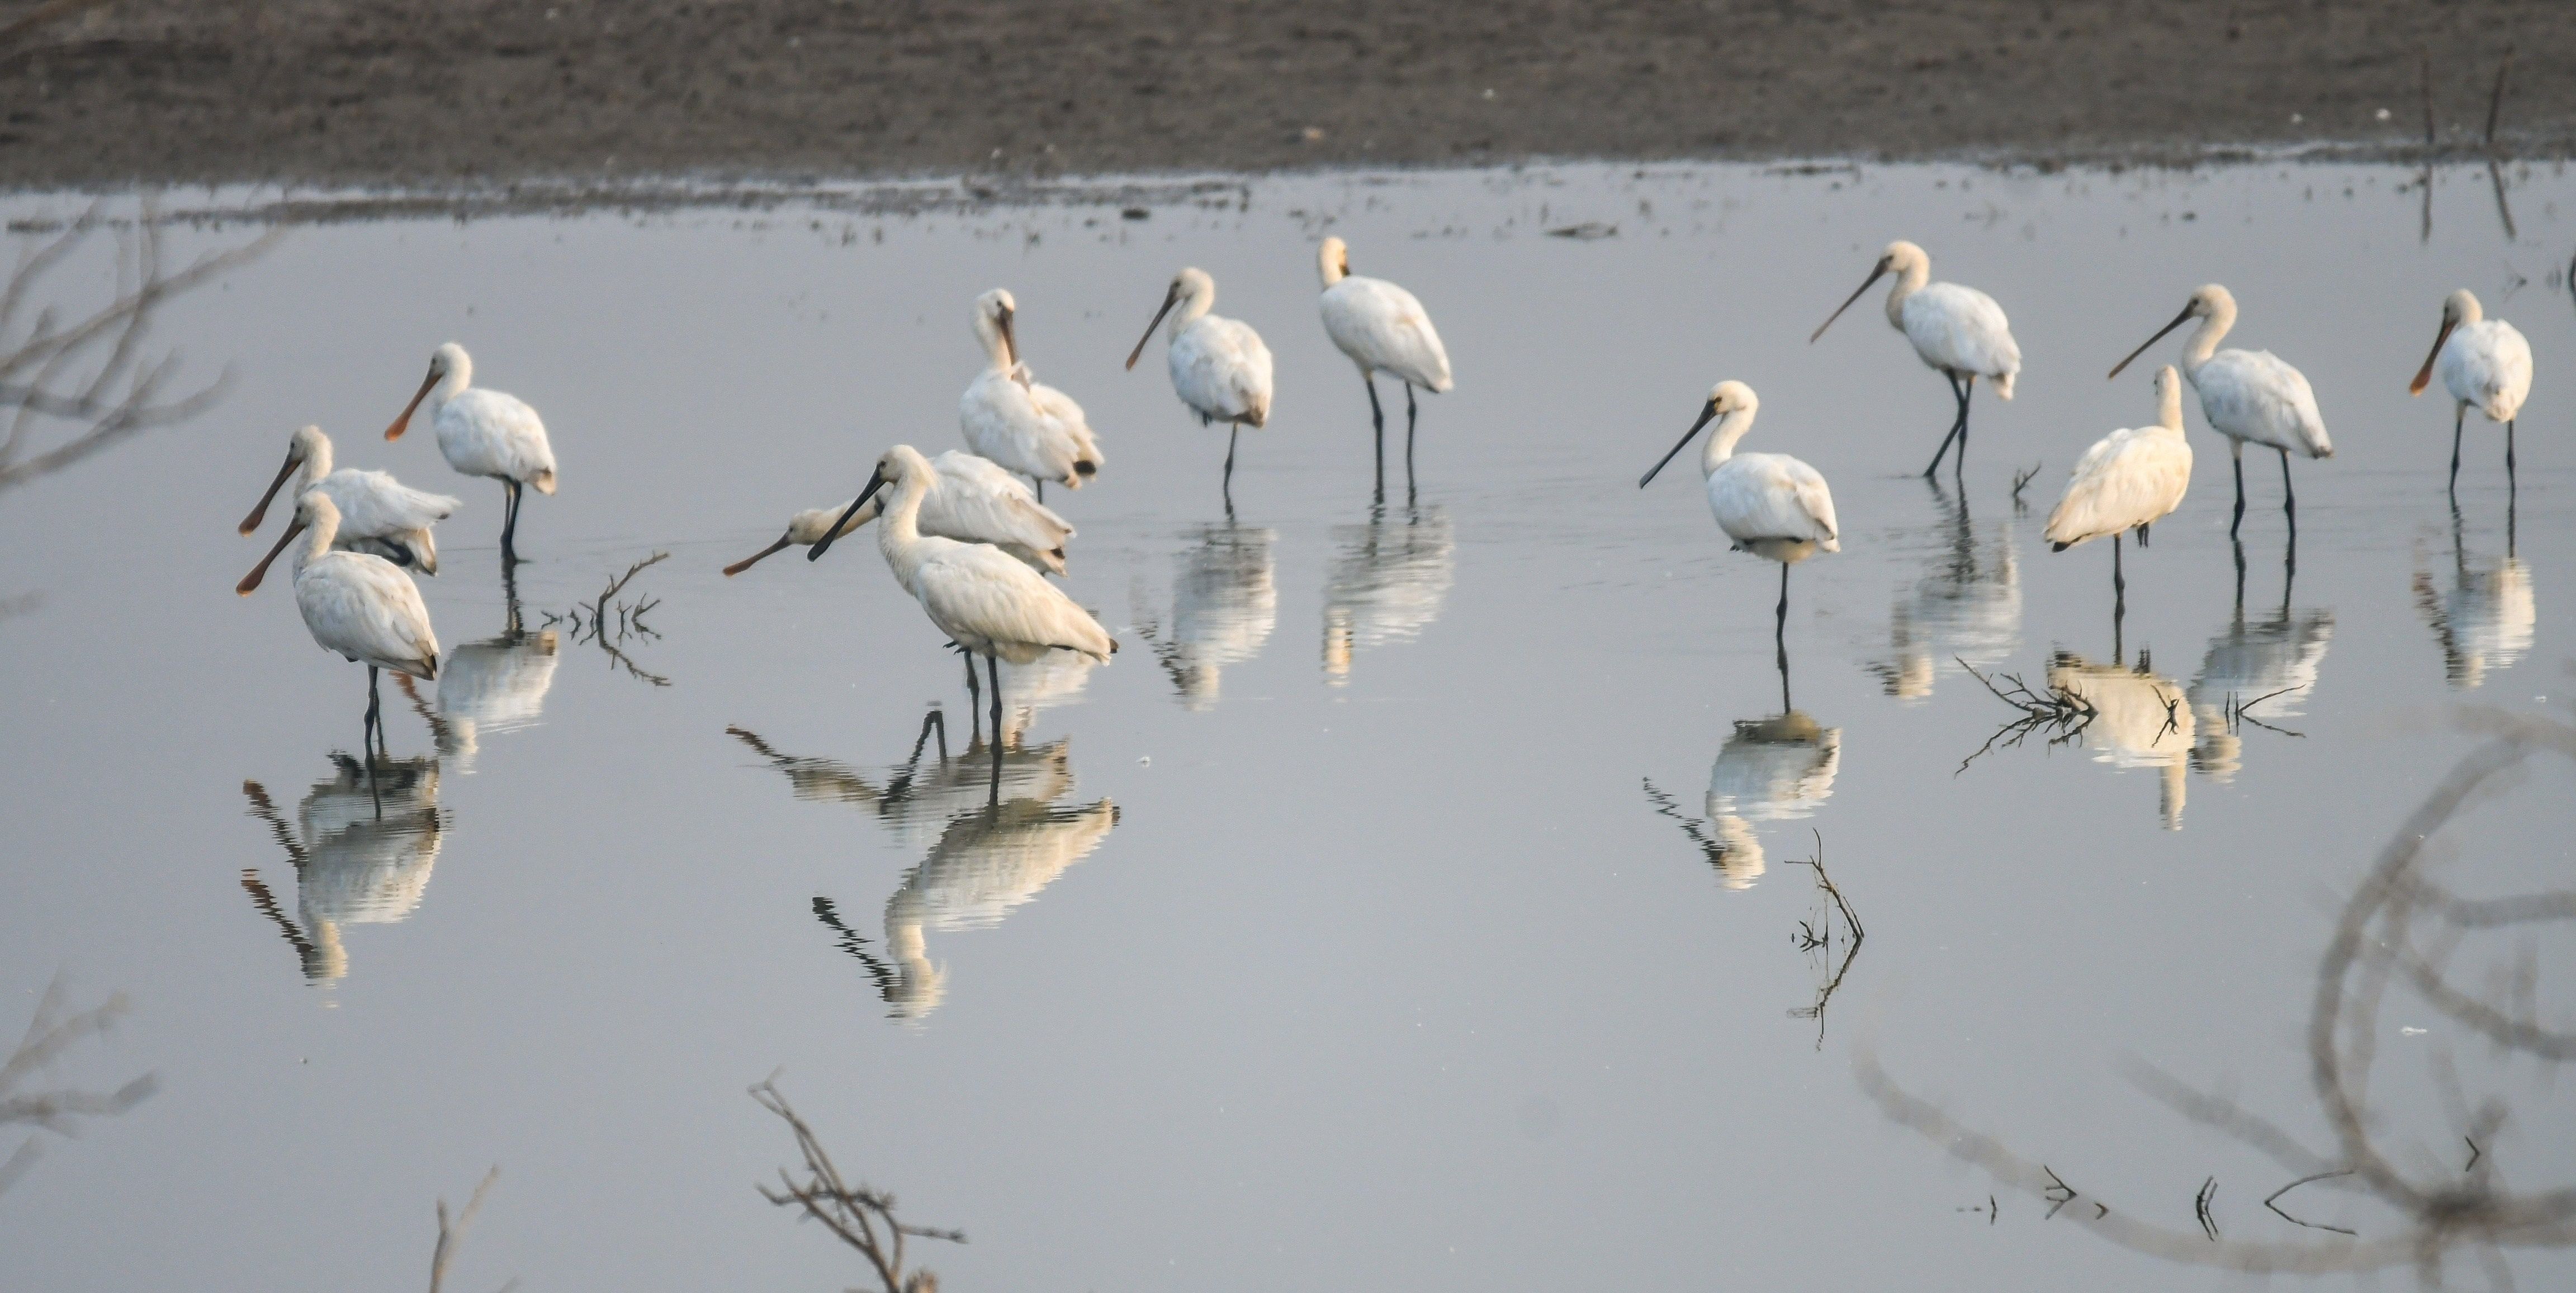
(1384, 330)
(1035, 430)
(1220, 369)
(2487, 366)
(483, 433)
(1958, 332)
(355, 603)
(378, 514)
(2246, 395)
(988, 603)
(1769, 504)
(970, 500)
(2128, 480)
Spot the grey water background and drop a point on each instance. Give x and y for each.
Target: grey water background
(1388, 972)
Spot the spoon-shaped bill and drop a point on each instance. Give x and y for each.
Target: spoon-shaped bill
(1707, 411)
(755, 558)
(1010, 336)
(295, 460)
(2178, 321)
(1874, 276)
(402, 423)
(1170, 298)
(876, 481)
(250, 582)
(2424, 375)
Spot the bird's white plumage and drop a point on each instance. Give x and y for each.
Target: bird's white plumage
(378, 513)
(362, 606)
(985, 600)
(488, 688)
(1380, 325)
(1775, 769)
(1759, 496)
(973, 500)
(2251, 396)
(1219, 366)
(2132, 477)
(1959, 330)
(1010, 418)
(481, 432)
(2485, 363)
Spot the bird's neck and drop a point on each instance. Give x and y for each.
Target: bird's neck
(317, 463)
(997, 356)
(1721, 440)
(1192, 310)
(1909, 281)
(899, 528)
(318, 538)
(450, 386)
(2204, 340)
(2169, 409)
(1331, 265)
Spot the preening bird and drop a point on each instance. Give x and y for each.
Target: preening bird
(378, 514)
(483, 433)
(1010, 418)
(1958, 332)
(2128, 480)
(971, 500)
(1219, 367)
(1384, 330)
(1770, 504)
(357, 604)
(2486, 365)
(2246, 395)
(986, 601)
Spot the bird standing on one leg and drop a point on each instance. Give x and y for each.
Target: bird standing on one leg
(1220, 368)
(483, 433)
(1769, 504)
(2128, 480)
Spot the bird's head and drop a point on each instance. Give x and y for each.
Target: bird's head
(1334, 260)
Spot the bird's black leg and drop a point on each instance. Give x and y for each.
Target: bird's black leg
(367, 737)
(509, 521)
(2119, 582)
(1377, 421)
(2289, 497)
(1408, 437)
(2142, 534)
(1955, 423)
(974, 698)
(2459, 418)
(1041, 489)
(1780, 637)
(2236, 452)
(994, 663)
(1233, 431)
(1959, 463)
(2508, 455)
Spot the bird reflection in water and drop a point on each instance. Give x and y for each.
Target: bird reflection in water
(1966, 607)
(362, 847)
(1386, 584)
(2136, 718)
(1774, 769)
(987, 859)
(1225, 601)
(2484, 619)
(2257, 672)
(916, 799)
(490, 687)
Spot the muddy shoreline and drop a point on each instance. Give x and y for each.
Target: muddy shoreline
(477, 94)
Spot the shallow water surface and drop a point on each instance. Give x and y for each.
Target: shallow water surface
(1419, 898)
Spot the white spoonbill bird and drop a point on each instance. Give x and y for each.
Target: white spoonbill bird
(1220, 369)
(1384, 330)
(1770, 504)
(378, 514)
(2128, 480)
(2487, 366)
(987, 602)
(1958, 332)
(971, 500)
(1009, 417)
(483, 433)
(2246, 395)
(357, 604)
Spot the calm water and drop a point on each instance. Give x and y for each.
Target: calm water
(1413, 902)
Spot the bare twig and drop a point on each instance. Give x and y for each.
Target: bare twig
(591, 621)
(450, 1237)
(2060, 713)
(49, 1034)
(2022, 479)
(862, 1217)
(1818, 935)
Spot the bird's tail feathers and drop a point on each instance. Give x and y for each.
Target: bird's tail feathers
(544, 481)
(2004, 384)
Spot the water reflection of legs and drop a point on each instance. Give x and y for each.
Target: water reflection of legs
(2119, 598)
(933, 719)
(2239, 546)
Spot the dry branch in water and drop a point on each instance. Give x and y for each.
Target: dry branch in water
(71, 388)
(49, 1035)
(2403, 927)
(862, 1218)
(451, 1235)
(2061, 714)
